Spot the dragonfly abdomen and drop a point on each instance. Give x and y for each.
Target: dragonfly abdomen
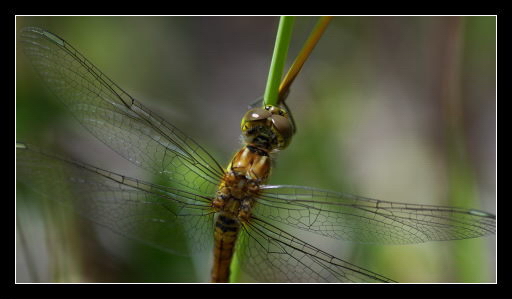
(226, 233)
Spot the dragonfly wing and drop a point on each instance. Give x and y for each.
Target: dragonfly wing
(171, 219)
(115, 118)
(354, 218)
(270, 254)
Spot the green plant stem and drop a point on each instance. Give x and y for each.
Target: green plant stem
(284, 34)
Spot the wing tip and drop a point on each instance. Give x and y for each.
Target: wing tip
(28, 33)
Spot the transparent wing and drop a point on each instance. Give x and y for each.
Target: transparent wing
(169, 218)
(359, 219)
(117, 119)
(270, 254)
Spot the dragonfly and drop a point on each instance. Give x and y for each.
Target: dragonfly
(226, 210)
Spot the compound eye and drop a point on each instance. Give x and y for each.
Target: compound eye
(283, 127)
(256, 114)
(274, 109)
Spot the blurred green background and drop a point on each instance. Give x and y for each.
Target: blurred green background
(394, 108)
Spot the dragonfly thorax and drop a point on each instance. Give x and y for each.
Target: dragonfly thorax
(249, 168)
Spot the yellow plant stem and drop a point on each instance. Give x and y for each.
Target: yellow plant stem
(310, 44)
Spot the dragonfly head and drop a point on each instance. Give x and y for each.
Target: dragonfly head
(268, 128)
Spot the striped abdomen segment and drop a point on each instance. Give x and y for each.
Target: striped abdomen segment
(226, 232)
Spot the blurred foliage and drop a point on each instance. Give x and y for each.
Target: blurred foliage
(372, 113)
